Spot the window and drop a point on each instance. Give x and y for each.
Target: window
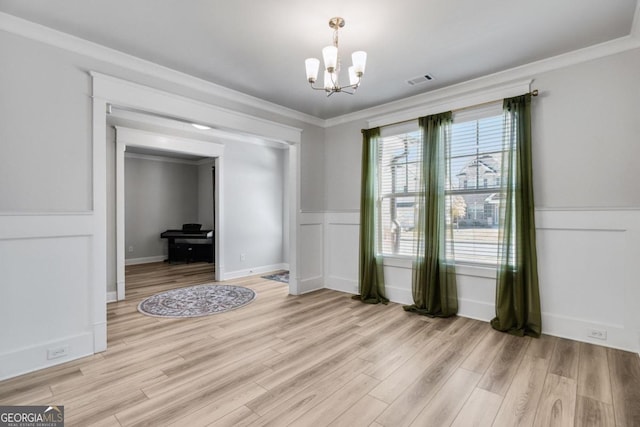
(474, 182)
(399, 157)
(475, 176)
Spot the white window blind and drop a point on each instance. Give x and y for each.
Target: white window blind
(399, 158)
(472, 186)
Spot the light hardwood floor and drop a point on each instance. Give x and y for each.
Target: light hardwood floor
(325, 359)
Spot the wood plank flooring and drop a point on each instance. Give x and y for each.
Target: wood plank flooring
(324, 359)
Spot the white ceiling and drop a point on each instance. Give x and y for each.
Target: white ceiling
(258, 46)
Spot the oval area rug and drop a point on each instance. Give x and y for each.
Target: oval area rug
(196, 301)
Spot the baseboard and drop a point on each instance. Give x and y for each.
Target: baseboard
(112, 296)
(230, 275)
(100, 337)
(145, 260)
(34, 358)
(341, 284)
(478, 310)
(399, 295)
(577, 329)
(310, 284)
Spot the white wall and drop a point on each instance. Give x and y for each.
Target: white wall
(585, 132)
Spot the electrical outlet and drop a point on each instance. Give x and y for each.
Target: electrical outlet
(243, 257)
(56, 352)
(600, 334)
(130, 248)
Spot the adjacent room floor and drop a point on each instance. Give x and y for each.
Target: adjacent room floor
(326, 359)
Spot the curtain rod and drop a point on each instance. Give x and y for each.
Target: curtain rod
(532, 93)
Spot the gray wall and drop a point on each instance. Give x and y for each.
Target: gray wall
(159, 195)
(205, 196)
(45, 135)
(312, 171)
(343, 154)
(162, 194)
(53, 85)
(585, 139)
(253, 178)
(585, 131)
(111, 209)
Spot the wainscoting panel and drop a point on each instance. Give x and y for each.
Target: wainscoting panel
(46, 297)
(587, 265)
(311, 259)
(588, 276)
(341, 251)
(582, 267)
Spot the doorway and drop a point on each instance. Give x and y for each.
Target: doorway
(107, 91)
(129, 137)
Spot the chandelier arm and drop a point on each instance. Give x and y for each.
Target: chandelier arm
(353, 86)
(316, 88)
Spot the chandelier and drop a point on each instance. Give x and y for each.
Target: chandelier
(332, 65)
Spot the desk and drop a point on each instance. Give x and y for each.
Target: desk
(185, 250)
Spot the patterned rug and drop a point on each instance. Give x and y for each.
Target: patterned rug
(282, 276)
(196, 301)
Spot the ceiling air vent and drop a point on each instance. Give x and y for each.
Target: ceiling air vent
(420, 79)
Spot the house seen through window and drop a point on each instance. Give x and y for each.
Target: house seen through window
(472, 189)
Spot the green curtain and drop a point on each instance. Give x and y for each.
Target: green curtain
(434, 276)
(371, 277)
(517, 294)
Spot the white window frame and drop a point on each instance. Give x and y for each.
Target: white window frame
(456, 98)
(492, 109)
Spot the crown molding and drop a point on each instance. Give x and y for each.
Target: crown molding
(453, 101)
(527, 71)
(55, 38)
(93, 50)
